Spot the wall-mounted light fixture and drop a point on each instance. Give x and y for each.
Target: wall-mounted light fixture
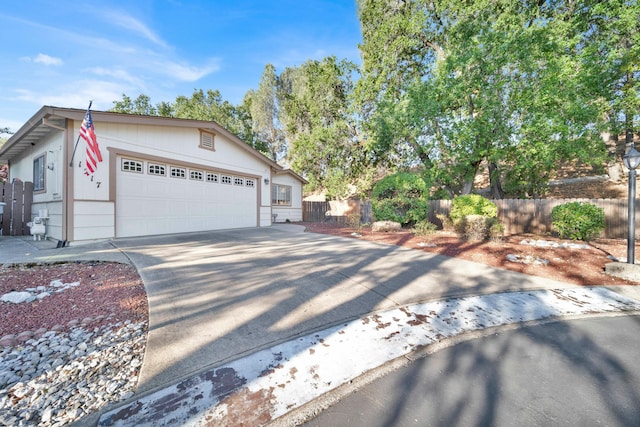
(266, 181)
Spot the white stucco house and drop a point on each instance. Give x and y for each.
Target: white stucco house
(158, 175)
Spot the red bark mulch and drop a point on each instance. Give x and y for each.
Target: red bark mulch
(578, 266)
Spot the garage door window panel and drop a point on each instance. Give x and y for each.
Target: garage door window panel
(226, 179)
(250, 183)
(212, 177)
(238, 181)
(178, 172)
(158, 170)
(131, 166)
(196, 175)
(281, 195)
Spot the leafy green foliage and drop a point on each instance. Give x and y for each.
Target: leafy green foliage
(141, 105)
(315, 107)
(264, 108)
(517, 86)
(424, 228)
(577, 220)
(402, 198)
(472, 204)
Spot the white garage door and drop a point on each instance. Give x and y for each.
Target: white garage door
(155, 198)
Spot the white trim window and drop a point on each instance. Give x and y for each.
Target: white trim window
(155, 169)
(238, 181)
(280, 195)
(129, 165)
(212, 177)
(38, 173)
(249, 182)
(226, 179)
(196, 175)
(177, 172)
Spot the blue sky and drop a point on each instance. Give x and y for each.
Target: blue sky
(65, 53)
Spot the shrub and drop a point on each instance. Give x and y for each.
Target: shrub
(472, 204)
(577, 220)
(474, 227)
(424, 228)
(477, 228)
(353, 221)
(401, 198)
(447, 224)
(496, 230)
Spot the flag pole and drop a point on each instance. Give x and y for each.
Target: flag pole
(78, 139)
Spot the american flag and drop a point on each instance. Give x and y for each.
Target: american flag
(88, 133)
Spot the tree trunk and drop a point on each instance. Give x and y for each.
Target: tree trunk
(496, 185)
(615, 151)
(467, 185)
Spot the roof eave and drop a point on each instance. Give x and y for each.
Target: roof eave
(7, 152)
(15, 145)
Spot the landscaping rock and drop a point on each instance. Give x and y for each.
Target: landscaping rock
(386, 226)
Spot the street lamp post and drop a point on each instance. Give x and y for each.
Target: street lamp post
(631, 161)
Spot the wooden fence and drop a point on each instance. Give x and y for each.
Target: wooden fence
(18, 197)
(518, 216)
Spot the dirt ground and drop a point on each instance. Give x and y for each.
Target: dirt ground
(108, 293)
(583, 266)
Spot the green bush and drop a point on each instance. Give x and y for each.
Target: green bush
(402, 198)
(577, 220)
(472, 204)
(496, 230)
(424, 228)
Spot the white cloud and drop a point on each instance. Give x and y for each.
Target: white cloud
(118, 74)
(128, 22)
(76, 95)
(41, 58)
(189, 73)
(47, 60)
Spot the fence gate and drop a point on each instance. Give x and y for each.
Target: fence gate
(18, 197)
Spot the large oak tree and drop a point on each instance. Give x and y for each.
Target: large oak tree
(514, 85)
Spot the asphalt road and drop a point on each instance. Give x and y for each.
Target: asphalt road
(575, 373)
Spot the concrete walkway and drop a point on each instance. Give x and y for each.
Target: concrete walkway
(218, 298)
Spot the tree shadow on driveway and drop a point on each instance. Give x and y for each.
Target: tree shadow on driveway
(217, 296)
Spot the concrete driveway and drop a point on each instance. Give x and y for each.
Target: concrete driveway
(217, 296)
(259, 321)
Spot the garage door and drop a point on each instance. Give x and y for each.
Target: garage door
(155, 198)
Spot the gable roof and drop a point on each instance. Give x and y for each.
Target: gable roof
(49, 118)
